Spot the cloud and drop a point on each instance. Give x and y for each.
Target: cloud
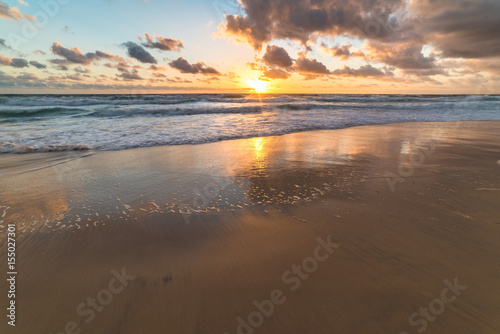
(256, 67)
(159, 75)
(3, 44)
(277, 56)
(38, 65)
(24, 80)
(162, 43)
(5, 60)
(401, 56)
(343, 52)
(460, 28)
(136, 51)
(178, 80)
(13, 13)
(184, 66)
(130, 75)
(14, 62)
(61, 64)
(363, 71)
(301, 20)
(208, 80)
(426, 72)
(395, 31)
(80, 69)
(490, 65)
(27, 76)
(119, 66)
(57, 82)
(276, 73)
(107, 55)
(310, 66)
(157, 68)
(75, 56)
(75, 77)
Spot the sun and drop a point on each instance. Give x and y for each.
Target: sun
(257, 85)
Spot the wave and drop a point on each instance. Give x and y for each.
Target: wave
(206, 107)
(16, 148)
(155, 111)
(114, 122)
(37, 112)
(21, 106)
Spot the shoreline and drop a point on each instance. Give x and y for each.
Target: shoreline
(97, 151)
(211, 231)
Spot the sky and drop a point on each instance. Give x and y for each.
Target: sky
(268, 46)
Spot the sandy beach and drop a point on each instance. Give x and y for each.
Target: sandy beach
(372, 229)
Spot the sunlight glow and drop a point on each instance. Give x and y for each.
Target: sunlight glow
(257, 85)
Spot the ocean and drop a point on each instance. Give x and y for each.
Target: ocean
(42, 123)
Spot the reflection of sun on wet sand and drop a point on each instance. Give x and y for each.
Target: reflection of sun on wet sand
(207, 230)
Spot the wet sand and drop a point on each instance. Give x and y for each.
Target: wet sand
(376, 229)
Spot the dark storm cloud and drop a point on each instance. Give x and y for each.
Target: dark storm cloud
(38, 65)
(136, 51)
(162, 43)
(184, 66)
(277, 56)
